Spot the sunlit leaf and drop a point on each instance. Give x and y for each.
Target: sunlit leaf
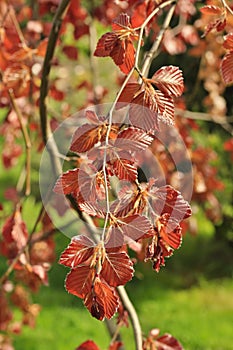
(168, 200)
(102, 301)
(228, 41)
(227, 68)
(169, 80)
(117, 268)
(211, 10)
(78, 251)
(79, 281)
(133, 139)
(124, 169)
(84, 138)
(169, 230)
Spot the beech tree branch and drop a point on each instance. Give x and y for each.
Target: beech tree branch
(53, 37)
(132, 315)
(223, 121)
(150, 55)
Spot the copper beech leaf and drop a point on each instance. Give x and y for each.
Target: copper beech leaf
(85, 137)
(168, 200)
(169, 230)
(122, 21)
(211, 10)
(169, 80)
(68, 182)
(129, 57)
(88, 345)
(228, 41)
(142, 113)
(79, 281)
(118, 44)
(93, 209)
(117, 268)
(106, 44)
(128, 228)
(227, 68)
(168, 342)
(15, 233)
(78, 251)
(219, 24)
(102, 301)
(128, 94)
(124, 169)
(133, 139)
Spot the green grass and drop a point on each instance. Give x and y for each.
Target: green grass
(187, 299)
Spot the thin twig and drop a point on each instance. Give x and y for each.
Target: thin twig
(223, 120)
(227, 6)
(16, 24)
(143, 26)
(27, 142)
(150, 55)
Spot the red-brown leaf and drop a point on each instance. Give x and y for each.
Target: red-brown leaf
(170, 231)
(105, 44)
(117, 268)
(121, 22)
(227, 68)
(219, 24)
(133, 139)
(211, 10)
(102, 301)
(93, 209)
(78, 251)
(128, 94)
(134, 226)
(68, 182)
(142, 114)
(15, 231)
(88, 345)
(79, 281)
(129, 57)
(169, 79)
(168, 342)
(117, 345)
(165, 107)
(71, 52)
(168, 200)
(118, 52)
(228, 41)
(84, 138)
(124, 169)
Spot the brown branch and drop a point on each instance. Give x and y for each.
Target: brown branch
(223, 121)
(53, 37)
(150, 55)
(27, 142)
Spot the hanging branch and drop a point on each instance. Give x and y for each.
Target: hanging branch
(53, 37)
